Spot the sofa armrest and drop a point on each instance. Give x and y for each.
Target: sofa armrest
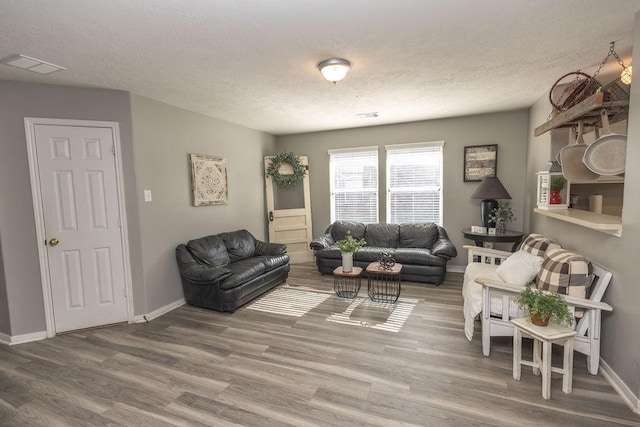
(322, 242)
(196, 273)
(267, 248)
(444, 248)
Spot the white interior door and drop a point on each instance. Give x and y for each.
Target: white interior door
(289, 213)
(80, 207)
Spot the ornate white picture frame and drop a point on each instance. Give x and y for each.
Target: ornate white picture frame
(209, 180)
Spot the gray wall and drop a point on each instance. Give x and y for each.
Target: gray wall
(22, 285)
(508, 130)
(164, 136)
(620, 347)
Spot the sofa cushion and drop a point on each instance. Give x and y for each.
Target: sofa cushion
(273, 261)
(420, 235)
(520, 268)
(417, 256)
(243, 271)
(339, 230)
(383, 235)
(564, 272)
(210, 250)
(370, 253)
(537, 244)
(240, 244)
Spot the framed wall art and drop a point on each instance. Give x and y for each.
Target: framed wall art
(208, 180)
(480, 161)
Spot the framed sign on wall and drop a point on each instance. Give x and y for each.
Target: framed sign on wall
(208, 180)
(480, 161)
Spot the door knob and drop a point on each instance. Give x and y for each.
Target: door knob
(270, 216)
(53, 242)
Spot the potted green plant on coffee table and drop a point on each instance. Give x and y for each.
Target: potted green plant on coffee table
(544, 306)
(348, 246)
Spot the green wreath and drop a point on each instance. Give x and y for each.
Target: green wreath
(284, 181)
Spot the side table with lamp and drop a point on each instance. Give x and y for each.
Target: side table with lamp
(489, 190)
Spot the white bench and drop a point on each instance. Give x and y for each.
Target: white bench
(587, 324)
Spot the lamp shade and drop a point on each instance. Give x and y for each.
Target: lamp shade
(490, 188)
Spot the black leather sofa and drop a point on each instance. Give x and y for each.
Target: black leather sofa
(224, 271)
(423, 249)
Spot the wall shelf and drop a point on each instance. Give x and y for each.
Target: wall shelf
(588, 111)
(604, 223)
(615, 179)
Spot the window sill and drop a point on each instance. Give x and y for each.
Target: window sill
(608, 224)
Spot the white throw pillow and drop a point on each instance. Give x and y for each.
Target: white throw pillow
(520, 268)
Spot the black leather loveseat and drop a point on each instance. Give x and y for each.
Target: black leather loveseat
(224, 271)
(423, 249)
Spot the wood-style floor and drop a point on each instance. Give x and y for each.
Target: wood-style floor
(200, 367)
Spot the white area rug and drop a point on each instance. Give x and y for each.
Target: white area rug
(366, 313)
(289, 301)
(361, 311)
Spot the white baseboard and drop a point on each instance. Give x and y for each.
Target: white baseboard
(619, 386)
(456, 268)
(5, 339)
(36, 336)
(21, 339)
(159, 312)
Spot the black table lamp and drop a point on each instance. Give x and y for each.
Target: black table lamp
(489, 190)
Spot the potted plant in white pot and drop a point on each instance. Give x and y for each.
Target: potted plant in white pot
(348, 246)
(544, 306)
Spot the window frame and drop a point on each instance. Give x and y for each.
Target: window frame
(413, 146)
(375, 189)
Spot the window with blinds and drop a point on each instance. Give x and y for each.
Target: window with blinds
(414, 182)
(354, 184)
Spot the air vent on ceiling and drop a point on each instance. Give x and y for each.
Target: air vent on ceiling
(31, 64)
(372, 115)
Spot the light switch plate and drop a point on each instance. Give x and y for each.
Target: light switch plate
(147, 195)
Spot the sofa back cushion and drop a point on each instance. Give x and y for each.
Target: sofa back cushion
(339, 230)
(564, 272)
(240, 244)
(420, 235)
(209, 250)
(537, 244)
(382, 235)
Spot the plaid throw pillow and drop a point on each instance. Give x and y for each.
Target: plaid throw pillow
(565, 273)
(537, 244)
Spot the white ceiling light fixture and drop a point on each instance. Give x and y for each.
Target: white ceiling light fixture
(31, 64)
(334, 69)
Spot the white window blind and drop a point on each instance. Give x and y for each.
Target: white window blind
(354, 184)
(414, 183)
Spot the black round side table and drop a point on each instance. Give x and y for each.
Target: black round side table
(508, 236)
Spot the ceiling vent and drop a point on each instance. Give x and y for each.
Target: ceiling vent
(372, 115)
(31, 64)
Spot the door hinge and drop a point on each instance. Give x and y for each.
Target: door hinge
(119, 223)
(113, 149)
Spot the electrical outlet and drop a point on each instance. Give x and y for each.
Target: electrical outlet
(147, 195)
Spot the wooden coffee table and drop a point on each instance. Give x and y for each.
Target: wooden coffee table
(383, 285)
(346, 284)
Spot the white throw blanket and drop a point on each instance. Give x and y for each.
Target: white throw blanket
(472, 294)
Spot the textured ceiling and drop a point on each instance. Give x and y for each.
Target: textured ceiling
(253, 62)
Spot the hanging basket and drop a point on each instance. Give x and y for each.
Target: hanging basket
(582, 87)
(285, 181)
